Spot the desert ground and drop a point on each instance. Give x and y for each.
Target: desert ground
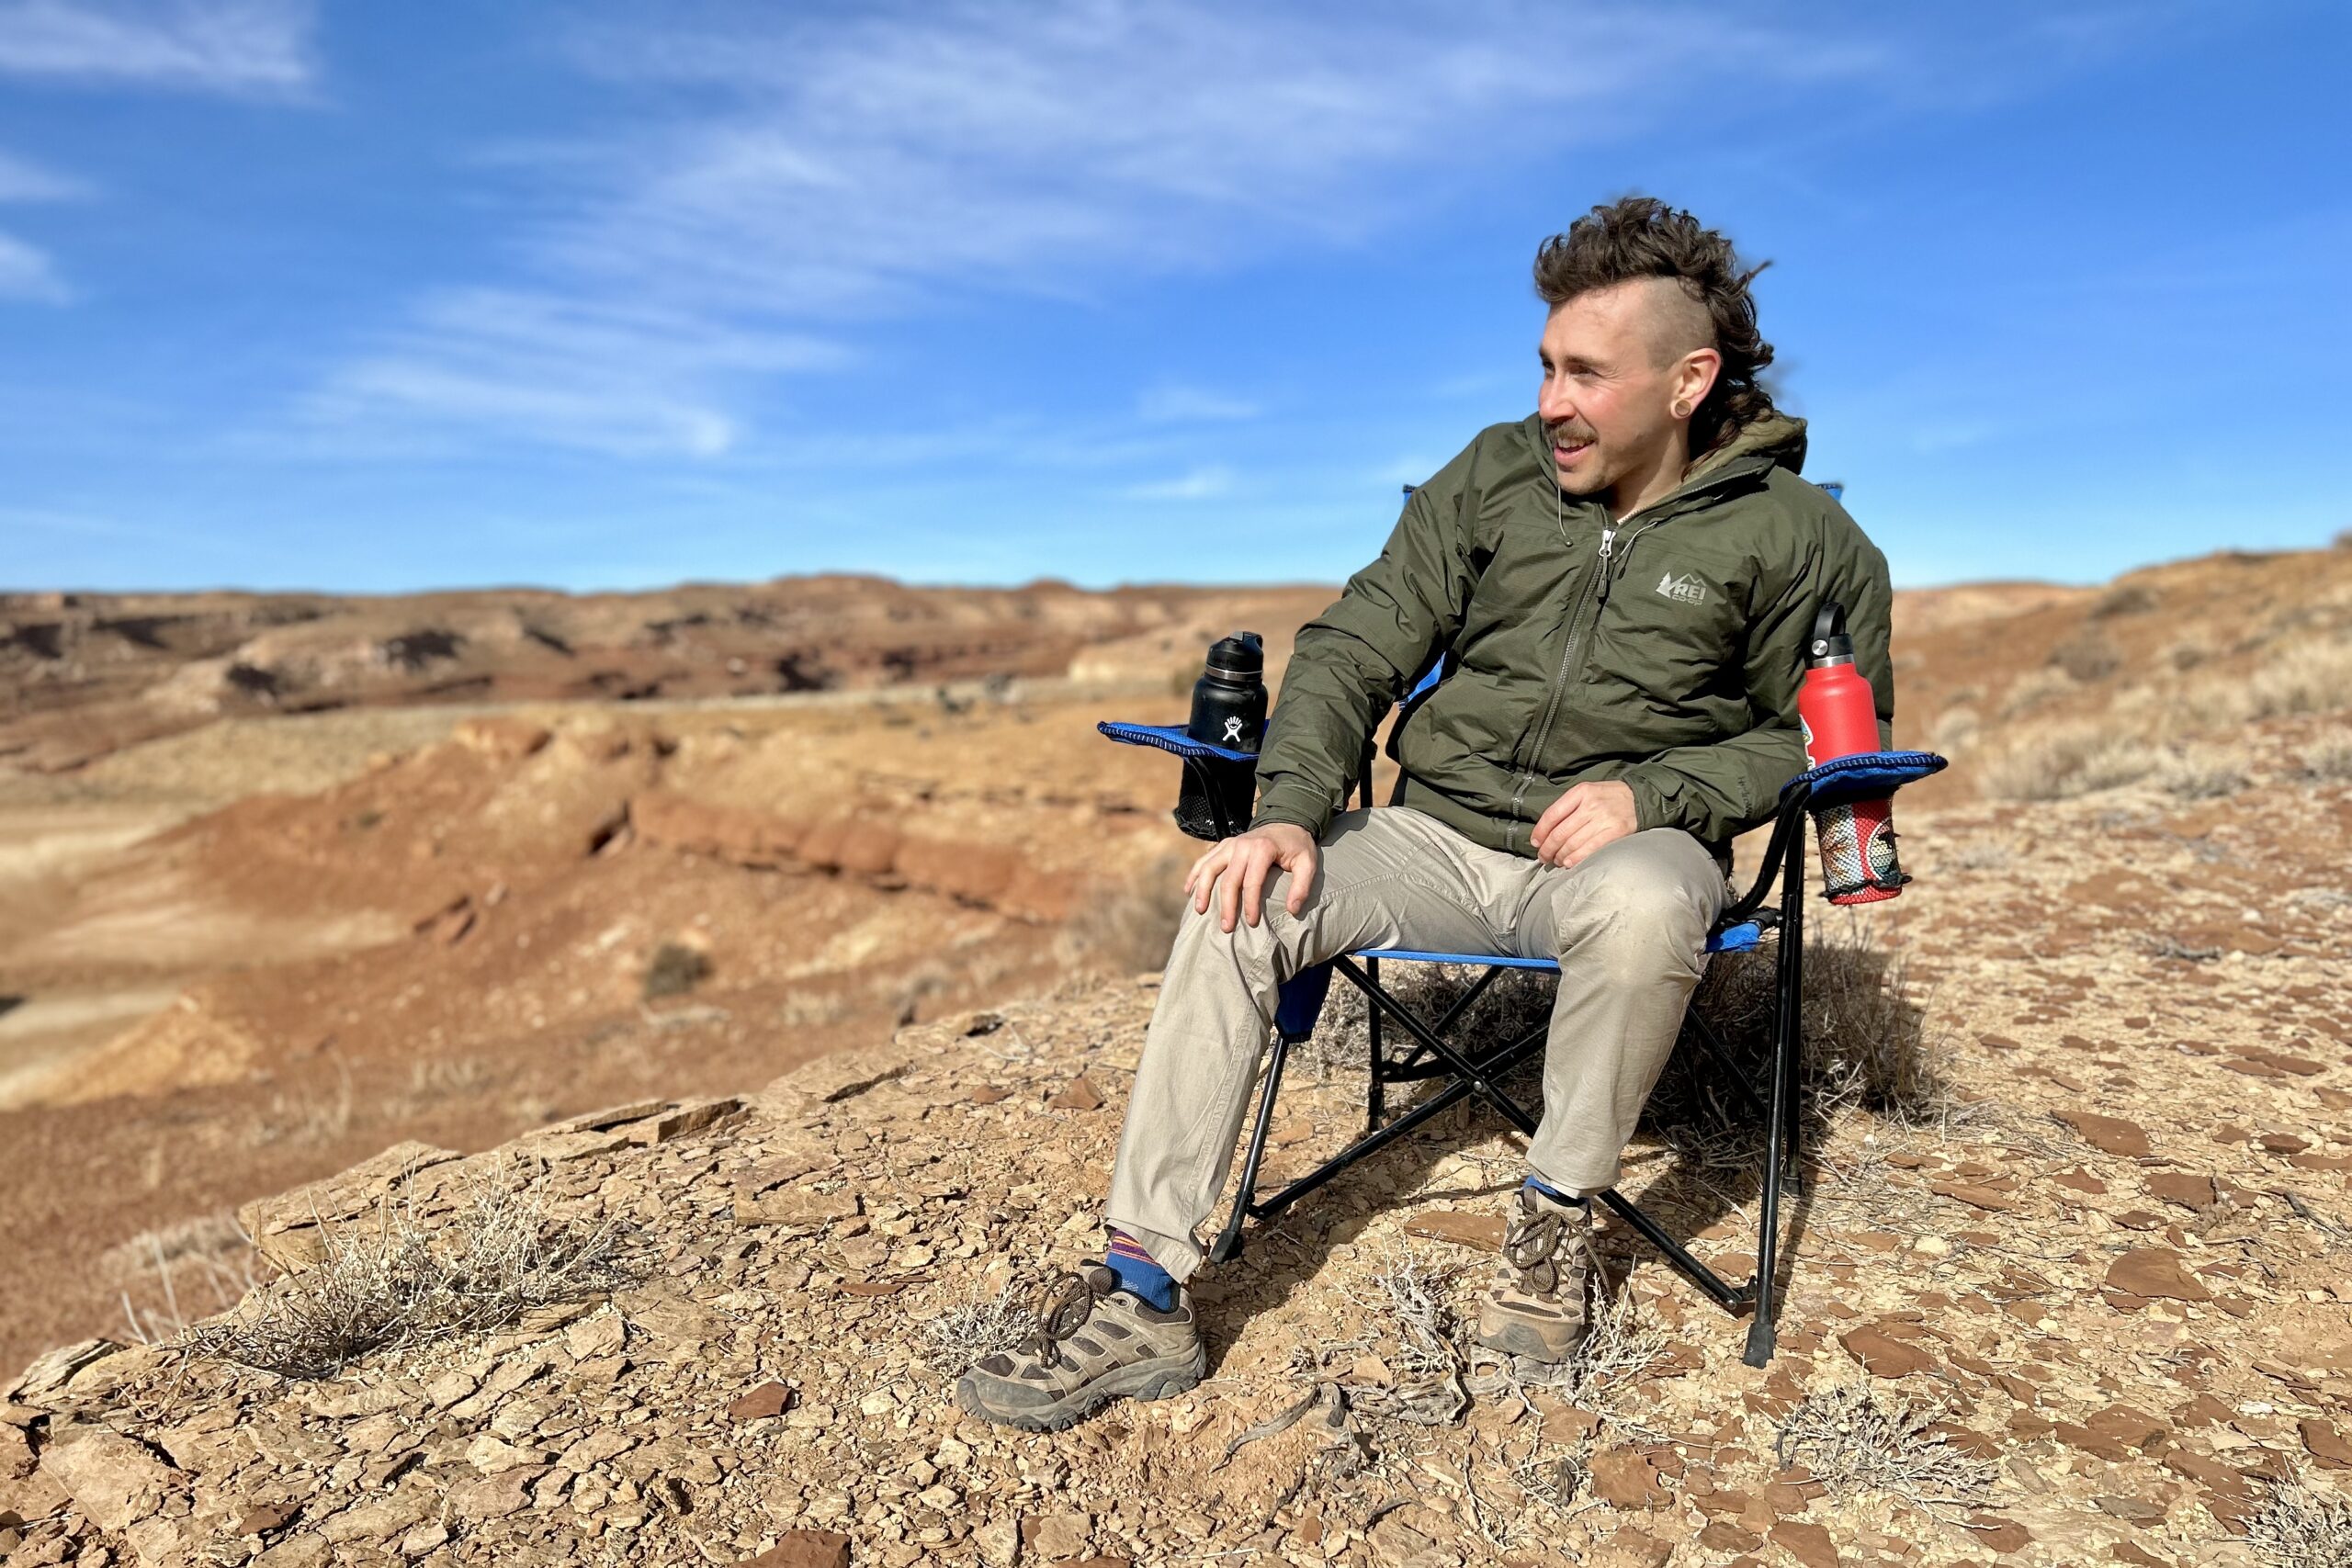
(742, 985)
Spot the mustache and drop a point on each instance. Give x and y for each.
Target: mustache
(1573, 434)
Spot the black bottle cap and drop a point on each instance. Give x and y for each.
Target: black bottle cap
(1829, 644)
(1240, 657)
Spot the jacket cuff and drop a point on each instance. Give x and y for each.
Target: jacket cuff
(1657, 796)
(1294, 808)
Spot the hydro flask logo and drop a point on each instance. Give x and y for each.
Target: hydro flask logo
(1233, 732)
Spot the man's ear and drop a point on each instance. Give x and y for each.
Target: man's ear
(1694, 378)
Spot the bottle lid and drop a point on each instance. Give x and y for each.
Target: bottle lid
(1829, 644)
(1240, 656)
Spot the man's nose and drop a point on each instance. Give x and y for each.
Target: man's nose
(1552, 402)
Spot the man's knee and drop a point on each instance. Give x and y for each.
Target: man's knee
(1636, 917)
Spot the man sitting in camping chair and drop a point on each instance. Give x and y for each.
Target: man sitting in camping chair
(1624, 583)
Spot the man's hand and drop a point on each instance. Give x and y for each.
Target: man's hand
(1235, 870)
(1580, 821)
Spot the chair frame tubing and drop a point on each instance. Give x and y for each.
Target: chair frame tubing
(1776, 1101)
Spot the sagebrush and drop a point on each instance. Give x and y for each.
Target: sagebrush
(390, 1279)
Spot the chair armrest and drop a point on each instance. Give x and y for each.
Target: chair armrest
(1865, 775)
(1173, 739)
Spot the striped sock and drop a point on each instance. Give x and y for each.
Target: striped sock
(1554, 1193)
(1138, 1274)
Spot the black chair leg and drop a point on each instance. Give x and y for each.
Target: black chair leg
(1780, 1131)
(1375, 1095)
(1228, 1241)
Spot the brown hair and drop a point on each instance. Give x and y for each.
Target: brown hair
(1640, 236)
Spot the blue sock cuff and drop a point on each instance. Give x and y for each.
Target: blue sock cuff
(1555, 1193)
(1125, 1258)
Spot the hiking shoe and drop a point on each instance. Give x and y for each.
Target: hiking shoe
(1093, 1343)
(1536, 1307)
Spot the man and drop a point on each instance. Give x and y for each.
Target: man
(1625, 581)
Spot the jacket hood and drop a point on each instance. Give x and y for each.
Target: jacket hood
(1776, 436)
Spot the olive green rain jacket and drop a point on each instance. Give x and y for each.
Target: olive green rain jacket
(1664, 649)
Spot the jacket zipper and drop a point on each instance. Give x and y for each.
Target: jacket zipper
(1610, 560)
(1559, 682)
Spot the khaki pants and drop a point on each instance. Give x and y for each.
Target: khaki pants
(1628, 926)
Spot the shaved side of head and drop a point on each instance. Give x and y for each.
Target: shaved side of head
(1674, 320)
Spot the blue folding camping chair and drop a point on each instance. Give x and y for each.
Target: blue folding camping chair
(1741, 928)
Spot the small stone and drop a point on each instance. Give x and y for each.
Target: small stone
(2194, 1192)
(265, 1519)
(1882, 1355)
(1631, 1548)
(493, 1456)
(1998, 1534)
(114, 1480)
(603, 1335)
(2325, 1444)
(1056, 1536)
(449, 1388)
(1808, 1543)
(2109, 1135)
(493, 1496)
(768, 1399)
(1624, 1478)
(1079, 1094)
(2153, 1273)
(1000, 1542)
(424, 1538)
(1971, 1194)
(805, 1549)
(944, 1499)
(1482, 1232)
(50, 1372)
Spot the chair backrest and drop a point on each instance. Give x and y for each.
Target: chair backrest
(1440, 668)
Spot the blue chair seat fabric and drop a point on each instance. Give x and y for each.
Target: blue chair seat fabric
(1865, 775)
(1173, 739)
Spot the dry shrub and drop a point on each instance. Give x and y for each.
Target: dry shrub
(2032, 689)
(2300, 1528)
(1856, 1441)
(1513, 1003)
(1868, 1041)
(2203, 778)
(390, 1281)
(974, 1329)
(2069, 761)
(2086, 658)
(179, 1268)
(1127, 925)
(2326, 762)
(2304, 677)
(2131, 599)
(675, 969)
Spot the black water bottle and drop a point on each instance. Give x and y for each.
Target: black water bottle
(1229, 711)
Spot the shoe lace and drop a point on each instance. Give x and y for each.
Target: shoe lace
(1533, 1243)
(1062, 1309)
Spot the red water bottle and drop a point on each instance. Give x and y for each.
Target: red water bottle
(1839, 713)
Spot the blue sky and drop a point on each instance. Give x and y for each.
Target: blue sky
(377, 296)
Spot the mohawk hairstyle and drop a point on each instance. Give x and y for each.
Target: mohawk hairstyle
(1640, 236)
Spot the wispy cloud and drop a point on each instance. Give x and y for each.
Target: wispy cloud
(26, 273)
(795, 172)
(1200, 484)
(1191, 405)
(583, 374)
(240, 47)
(21, 180)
